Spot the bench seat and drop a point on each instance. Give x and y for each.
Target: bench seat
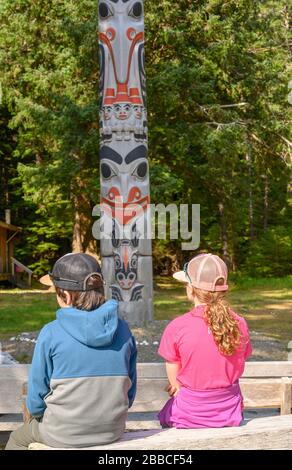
(10, 422)
(269, 433)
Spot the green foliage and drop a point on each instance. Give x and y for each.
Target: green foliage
(220, 70)
(217, 84)
(271, 254)
(49, 68)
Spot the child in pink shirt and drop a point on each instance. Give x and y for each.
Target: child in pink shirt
(205, 352)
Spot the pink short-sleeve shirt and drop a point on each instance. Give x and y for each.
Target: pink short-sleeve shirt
(188, 341)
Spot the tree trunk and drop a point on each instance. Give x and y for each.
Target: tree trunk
(77, 245)
(224, 237)
(250, 192)
(82, 240)
(266, 202)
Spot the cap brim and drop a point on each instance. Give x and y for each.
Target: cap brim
(46, 280)
(181, 277)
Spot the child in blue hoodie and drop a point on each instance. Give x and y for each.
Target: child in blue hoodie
(83, 374)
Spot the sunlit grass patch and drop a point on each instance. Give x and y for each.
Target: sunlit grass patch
(265, 303)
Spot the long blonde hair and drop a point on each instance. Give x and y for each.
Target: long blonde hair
(220, 320)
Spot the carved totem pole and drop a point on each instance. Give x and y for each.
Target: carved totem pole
(126, 254)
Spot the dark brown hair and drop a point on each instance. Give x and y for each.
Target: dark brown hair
(86, 300)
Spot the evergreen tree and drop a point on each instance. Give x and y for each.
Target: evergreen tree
(217, 86)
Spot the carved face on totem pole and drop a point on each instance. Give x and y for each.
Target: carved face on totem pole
(123, 155)
(122, 111)
(138, 111)
(125, 259)
(107, 112)
(125, 185)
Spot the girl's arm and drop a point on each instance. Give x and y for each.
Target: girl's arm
(172, 370)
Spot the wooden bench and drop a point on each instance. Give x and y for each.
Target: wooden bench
(271, 433)
(264, 385)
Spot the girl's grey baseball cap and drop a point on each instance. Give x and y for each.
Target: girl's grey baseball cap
(72, 271)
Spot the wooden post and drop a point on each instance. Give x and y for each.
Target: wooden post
(125, 244)
(286, 387)
(12, 268)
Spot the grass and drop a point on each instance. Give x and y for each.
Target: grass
(265, 303)
(25, 310)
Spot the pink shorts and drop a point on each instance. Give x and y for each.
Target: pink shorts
(214, 408)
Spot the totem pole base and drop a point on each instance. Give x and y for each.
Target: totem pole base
(135, 303)
(136, 313)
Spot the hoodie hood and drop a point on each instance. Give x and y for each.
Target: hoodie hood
(95, 328)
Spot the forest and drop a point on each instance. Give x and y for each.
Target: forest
(219, 122)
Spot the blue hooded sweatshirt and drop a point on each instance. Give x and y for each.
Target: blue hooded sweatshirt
(83, 377)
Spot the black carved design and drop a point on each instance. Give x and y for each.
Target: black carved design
(141, 170)
(138, 152)
(106, 171)
(136, 11)
(126, 265)
(116, 293)
(141, 65)
(104, 11)
(135, 236)
(115, 238)
(136, 293)
(116, 241)
(110, 154)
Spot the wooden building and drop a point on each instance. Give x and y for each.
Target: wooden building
(11, 269)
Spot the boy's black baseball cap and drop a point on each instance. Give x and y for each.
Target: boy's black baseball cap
(72, 271)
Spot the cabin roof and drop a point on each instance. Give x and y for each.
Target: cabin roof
(12, 228)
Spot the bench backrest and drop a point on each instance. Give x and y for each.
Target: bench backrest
(261, 384)
(263, 369)
(11, 381)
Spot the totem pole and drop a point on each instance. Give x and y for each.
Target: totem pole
(126, 254)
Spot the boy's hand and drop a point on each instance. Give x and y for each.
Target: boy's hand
(172, 390)
(25, 413)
